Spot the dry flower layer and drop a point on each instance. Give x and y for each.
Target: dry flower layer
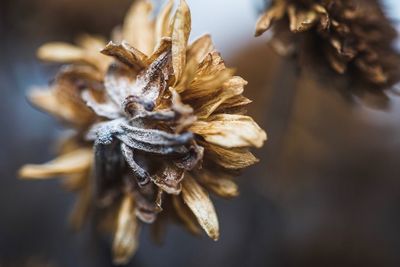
(355, 36)
(158, 124)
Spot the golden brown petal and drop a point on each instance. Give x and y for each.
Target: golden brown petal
(234, 158)
(206, 85)
(218, 183)
(163, 45)
(170, 179)
(61, 53)
(200, 204)
(301, 20)
(81, 207)
(138, 29)
(91, 42)
(231, 88)
(74, 162)
(163, 21)
(126, 237)
(265, 21)
(195, 54)
(229, 130)
(61, 103)
(200, 48)
(180, 37)
(126, 54)
(187, 217)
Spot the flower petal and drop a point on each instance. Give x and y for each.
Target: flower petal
(81, 207)
(219, 183)
(138, 29)
(274, 13)
(61, 53)
(180, 36)
(126, 54)
(163, 21)
(187, 217)
(233, 158)
(126, 237)
(200, 204)
(232, 87)
(74, 162)
(199, 49)
(229, 130)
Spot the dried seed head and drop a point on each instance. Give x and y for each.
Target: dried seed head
(161, 123)
(354, 35)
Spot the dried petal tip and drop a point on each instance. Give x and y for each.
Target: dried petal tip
(60, 52)
(200, 204)
(75, 162)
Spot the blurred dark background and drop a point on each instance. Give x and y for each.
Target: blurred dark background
(326, 192)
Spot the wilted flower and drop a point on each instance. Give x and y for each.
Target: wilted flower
(355, 36)
(158, 123)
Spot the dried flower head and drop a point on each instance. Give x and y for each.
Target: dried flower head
(158, 124)
(355, 36)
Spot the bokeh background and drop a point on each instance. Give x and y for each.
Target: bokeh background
(326, 192)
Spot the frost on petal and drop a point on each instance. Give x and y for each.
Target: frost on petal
(126, 237)
(74, 162)
(200, 204)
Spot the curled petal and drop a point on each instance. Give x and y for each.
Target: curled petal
(126, 237)
(126, 54)
(74, 162)
(146, 140)
(141, 174)
(200, 204)
(170, 179)
(228, 130)
(180, 37)
(107, 110)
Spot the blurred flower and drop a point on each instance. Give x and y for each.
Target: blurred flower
(355, 36)
(158, 122)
